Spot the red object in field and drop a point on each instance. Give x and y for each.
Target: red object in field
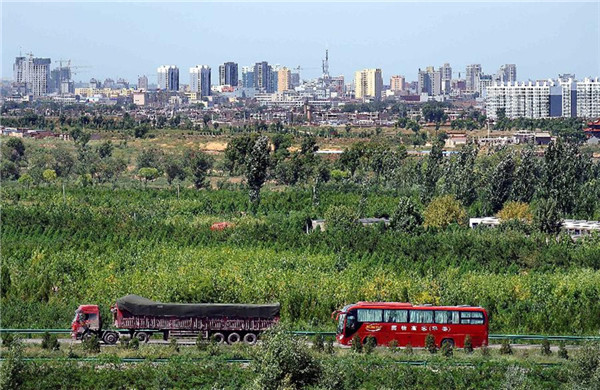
(221, 225)
(410, 324)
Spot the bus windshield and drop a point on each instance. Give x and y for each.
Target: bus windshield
(340, 327)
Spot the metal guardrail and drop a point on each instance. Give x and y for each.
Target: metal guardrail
(512, 337)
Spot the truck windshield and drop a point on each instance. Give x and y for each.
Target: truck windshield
(76, 315)
(340, 327)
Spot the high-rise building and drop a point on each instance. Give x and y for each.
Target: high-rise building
(368, 83)
(588, 98)
(200, 80)
(472, 78)
(563, 97)
(485, 81)
(295, 80)
(284, 79)
(142, 83)
(263, 78)
(228, 74)
(57, 77)
(168, 78)
(337, 85)
(507, 73)
(95, 84)
(446, 70)
(519, 100)
(430, 81)
(397, 83)
(34, 73)
(247, 77)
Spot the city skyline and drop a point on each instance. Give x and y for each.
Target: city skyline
(120, 41)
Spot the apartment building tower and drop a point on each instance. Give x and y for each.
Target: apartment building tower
(368, 84)
(228, 74)
(472, 78)
(284, 79)
(168, 78)
(397, 83)
(200, 80)
(519, 100)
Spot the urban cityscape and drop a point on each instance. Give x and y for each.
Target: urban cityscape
(300, 195)
(280, 88)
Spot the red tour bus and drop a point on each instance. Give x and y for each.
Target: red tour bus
(408, 324)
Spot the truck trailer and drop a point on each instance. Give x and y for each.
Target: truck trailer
(139, 317)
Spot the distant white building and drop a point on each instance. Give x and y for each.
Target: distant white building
(168, 78)
(588, 98)
(200, 79)
(519, 100)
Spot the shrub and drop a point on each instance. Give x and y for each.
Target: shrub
(50, 342)
(446, 350)
(282, 359)
(515, 211)
(12, 369)
(562, 351)
(408, 349)
(357, 346)
(370, 344)
(393, 346)
(485, 350)
(173, 345)
(201, 342)
(8, 339)
(329, 348)
(468, 344)
(319, 343)
(586, 366)
(124, 342)
(545, 348)
(430, 344)
(134, 343)
(91, 344)
(505, 348)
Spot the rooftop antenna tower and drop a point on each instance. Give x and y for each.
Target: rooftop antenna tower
(326, 65)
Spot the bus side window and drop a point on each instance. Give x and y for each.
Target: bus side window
(421, 316)
(370, 315)
(398, 316)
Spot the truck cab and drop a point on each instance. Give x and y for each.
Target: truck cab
(86, 322)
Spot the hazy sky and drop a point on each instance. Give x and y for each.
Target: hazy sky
(130, 39)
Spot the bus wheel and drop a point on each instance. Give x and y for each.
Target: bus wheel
(233, 338)
(143, 337)
(250, 338)
(448, 341)
(218, 338)
(111, 338)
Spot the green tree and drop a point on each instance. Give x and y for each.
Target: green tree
(49, 176)
(174, 169)
(8, 170)
(505, 348)
(407, 216)
(500, 183)
(13, 149)
(460, 178)
(546, 216)
(340, 219)
(237, 152)
(105, 149)
(26, 180)
(526, 177)
(200, 163)
(282, 359)
(257, 166)
(433, 169)
(151, 158)
(148, 174)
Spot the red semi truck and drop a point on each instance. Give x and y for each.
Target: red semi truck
(140, 317)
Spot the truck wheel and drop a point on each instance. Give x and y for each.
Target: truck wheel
(143, 337)
(87, 336)
(250, 338)
(233, 338)
(218, 338)
(111, 338)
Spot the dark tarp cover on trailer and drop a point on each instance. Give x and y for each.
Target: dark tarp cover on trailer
(140, 306)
